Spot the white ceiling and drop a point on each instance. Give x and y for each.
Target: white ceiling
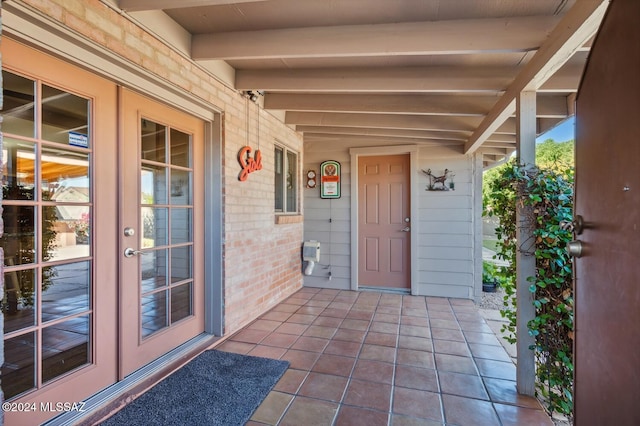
(396, 71)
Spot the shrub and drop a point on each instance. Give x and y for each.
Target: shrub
(549, 196)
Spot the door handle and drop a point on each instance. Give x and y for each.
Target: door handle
(129, 252)
(406, 229)
(576, 225)
(574, 248)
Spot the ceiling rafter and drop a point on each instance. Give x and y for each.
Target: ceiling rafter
(515, 34)
(575, 29)
(427, 72)
(387, 79)
(140, 5)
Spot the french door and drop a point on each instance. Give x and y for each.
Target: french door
(161, 230)
(90, 170)
(59, 168)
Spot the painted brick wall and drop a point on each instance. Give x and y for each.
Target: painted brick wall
(261, 259)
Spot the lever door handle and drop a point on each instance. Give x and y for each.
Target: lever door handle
(129, 252)
(406, 229)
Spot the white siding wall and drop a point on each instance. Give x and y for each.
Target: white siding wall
(329, 221)
(447, 244)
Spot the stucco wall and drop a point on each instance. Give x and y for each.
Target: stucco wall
(444, 228)
(261, 260)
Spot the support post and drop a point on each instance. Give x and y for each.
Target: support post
(525, 257)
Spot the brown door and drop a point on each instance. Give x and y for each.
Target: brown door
(384, 235)
(607, 289)
(162, 288)
(59, 169)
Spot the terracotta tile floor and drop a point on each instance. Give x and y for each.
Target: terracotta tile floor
(365, 358)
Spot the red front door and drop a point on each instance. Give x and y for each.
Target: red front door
(384, 256)
(607, 291)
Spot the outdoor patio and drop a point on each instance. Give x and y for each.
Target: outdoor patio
(369, 358)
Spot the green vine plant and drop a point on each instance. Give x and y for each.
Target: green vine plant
(548, 195)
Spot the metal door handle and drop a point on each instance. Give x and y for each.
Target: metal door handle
(406, 229)
(129, 252)
(574, 248)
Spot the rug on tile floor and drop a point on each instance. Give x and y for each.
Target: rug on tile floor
(215, 388)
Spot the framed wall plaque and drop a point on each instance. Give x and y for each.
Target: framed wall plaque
(330, 179)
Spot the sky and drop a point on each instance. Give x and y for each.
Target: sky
(563, 132)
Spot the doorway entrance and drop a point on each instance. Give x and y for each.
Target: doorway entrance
(384, 222)
(81, 311)
(162, 303)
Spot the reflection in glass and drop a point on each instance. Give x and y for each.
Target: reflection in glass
(67, 290)
(180, 187)
(279, 179)
(18, 109)
(153, 183)
(18, 172)
(180, 264)
(65, 347)
(65, 176)
(292, 181)
(19, 302)
(181, 226)
(154, 313)
(153, 141)
(181, 302)
(18, 370)
(65, 117)
(18, 240)
(66, 232)
(180, 148)
(154, 269)
(154, 227)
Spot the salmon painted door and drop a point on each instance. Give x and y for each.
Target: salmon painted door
(383, 222)
(161, 251)
(607, 284)
(59, 168)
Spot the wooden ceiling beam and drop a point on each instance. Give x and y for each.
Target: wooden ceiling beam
(407, 104)
(398, 133)
(402, 79)
(314, 137)
(514, 34)
(577, 26)
(141, 5)
(384, 121)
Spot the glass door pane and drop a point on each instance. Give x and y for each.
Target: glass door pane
(165, 212)
(47, 213)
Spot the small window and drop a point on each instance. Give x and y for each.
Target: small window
(286, 180)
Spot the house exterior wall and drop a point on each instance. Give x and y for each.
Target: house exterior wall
(447, 241)
(1, 251)
(261, 259)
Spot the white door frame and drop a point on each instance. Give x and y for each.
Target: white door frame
(356, 153)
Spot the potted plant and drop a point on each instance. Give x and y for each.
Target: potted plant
(489, 277)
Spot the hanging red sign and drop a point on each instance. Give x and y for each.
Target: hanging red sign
(247, 163)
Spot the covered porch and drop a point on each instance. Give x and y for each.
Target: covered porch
(371, 358)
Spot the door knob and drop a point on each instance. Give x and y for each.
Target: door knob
(576, 225)
(129, 252)
(406, 229)
(574, 248)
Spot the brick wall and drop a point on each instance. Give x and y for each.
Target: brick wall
(261, 259)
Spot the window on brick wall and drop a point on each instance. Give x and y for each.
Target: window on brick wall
(286, 180)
